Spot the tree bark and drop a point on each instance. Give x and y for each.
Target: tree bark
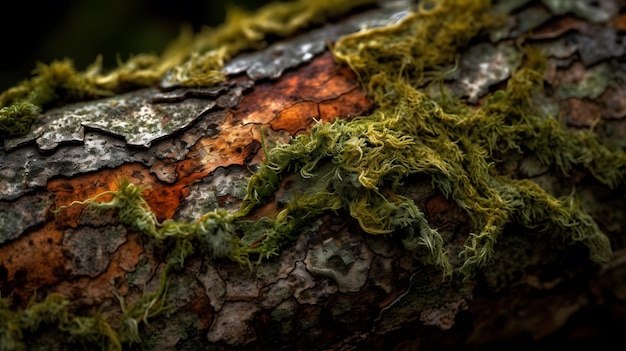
(335, 287)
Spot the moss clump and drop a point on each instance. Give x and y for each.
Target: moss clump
(361, 165)
(214, 234)
(87, 333)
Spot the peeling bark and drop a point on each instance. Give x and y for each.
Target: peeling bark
(336, 287)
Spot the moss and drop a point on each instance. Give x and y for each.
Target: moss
(17, 327)
(360, 166)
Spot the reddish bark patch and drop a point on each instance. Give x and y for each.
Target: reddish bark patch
(162, 198)
(438, 206)
(296, 118)
(320, 90)
(620, 22)
(36, 259)
(122, 261)
(581, 112)
(234, 145)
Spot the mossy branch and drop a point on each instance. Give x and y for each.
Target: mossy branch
(360, 166)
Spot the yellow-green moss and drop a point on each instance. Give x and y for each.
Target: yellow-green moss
(360, 166)
(17, 327)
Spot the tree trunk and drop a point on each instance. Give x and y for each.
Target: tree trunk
(72, 276)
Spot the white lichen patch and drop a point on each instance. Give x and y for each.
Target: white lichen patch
(203, 195)
(348, 265)
(485, 65)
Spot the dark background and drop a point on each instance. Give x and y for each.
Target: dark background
(44, 31)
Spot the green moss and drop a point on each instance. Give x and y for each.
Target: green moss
(361, 166)
(17, 327)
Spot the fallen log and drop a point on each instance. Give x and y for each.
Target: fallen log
(383, 176)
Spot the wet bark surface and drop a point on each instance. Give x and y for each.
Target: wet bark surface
(336, 287)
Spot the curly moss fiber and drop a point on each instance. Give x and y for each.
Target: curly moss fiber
(362, 163)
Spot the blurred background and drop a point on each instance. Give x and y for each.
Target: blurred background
(44, 31)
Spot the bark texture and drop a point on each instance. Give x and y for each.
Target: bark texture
(335, 287)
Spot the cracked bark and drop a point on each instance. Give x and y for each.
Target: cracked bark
(336, 287)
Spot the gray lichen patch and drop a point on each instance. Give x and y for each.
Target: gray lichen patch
(483, 66)
(293, 285)
(590, 84)
(214, 285)
(26, 212)
(204, 195)
(597, 44)
(239, 286)
(348, 265)
(141, 273)
(169, 333)
(132, 116)
(89, 249)
(25, 168)
(525, 21)
(592, 10)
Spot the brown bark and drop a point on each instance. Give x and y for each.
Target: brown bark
(336, 287)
